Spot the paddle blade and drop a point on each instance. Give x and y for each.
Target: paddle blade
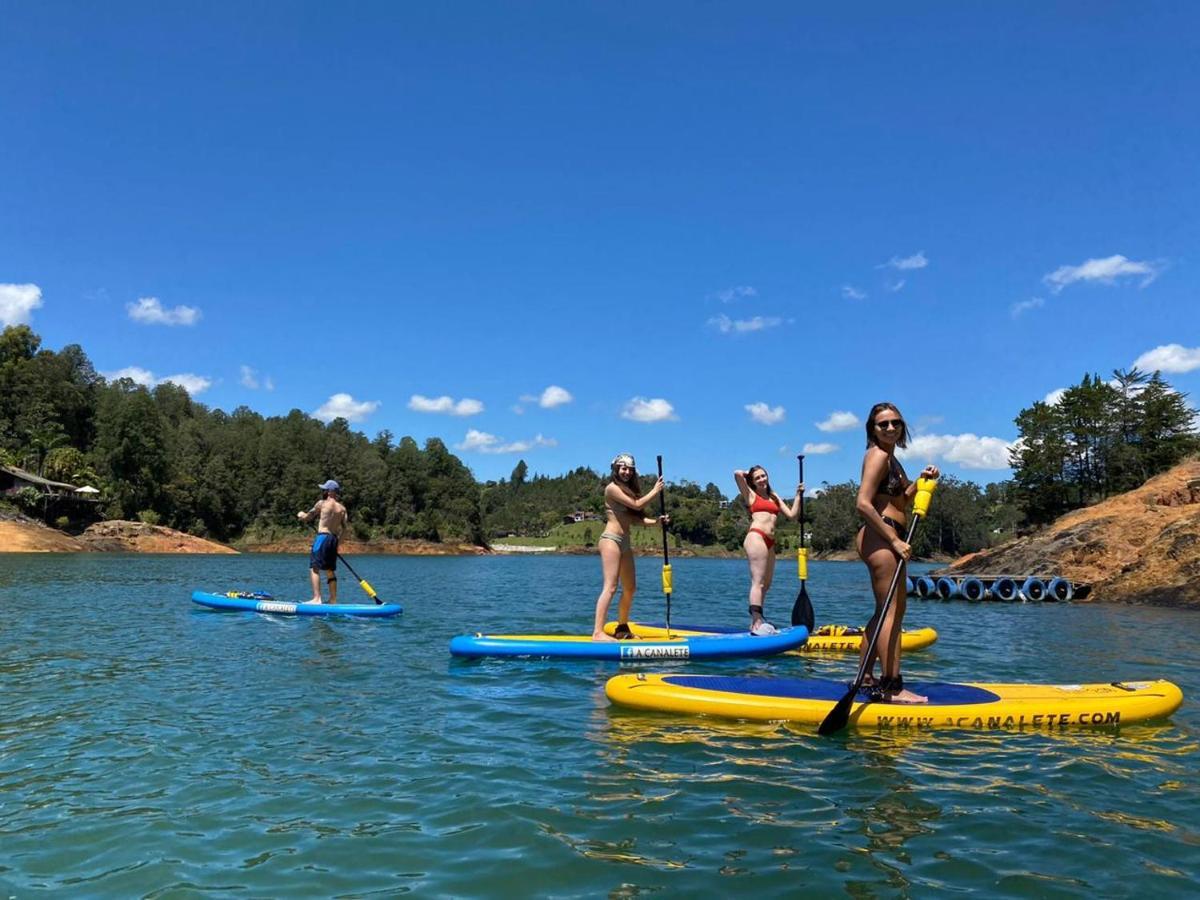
(839, 715)
(802, 610)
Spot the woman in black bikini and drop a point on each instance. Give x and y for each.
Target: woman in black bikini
(765, 506)
(884, 496)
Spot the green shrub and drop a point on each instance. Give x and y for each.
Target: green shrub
(149, 517)
(62, 523)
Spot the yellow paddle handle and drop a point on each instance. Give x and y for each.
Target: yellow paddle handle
(802, 562)
(925, 489)
(370, 590)
(667, 578)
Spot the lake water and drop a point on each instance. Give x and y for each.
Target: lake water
(152, 748)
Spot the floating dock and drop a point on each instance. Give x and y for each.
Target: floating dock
(1001, 588)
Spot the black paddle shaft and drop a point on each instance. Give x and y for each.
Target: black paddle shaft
(840, 714)
(887, 604)
(800, 460)
(662, 510)
(662, 507)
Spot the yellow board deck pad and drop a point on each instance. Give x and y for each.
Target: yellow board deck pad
(971, 706)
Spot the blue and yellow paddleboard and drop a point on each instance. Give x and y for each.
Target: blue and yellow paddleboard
(677, 646)
(980, 707)
(827, 638)
(265, 603)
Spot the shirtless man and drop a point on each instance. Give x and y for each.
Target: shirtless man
(330, 525)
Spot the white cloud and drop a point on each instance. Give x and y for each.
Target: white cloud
(726, 325)
(482, 442)
(251, 380)
(1105, 271)
(1169, 358)
(193, 384)
(907, 263)
(839, 421)
(639, 409)
(850, 292)
(149, 311)
(817, 449)
(136, 374)
(1022, 306)
(898, 284)
(967, 450)
(1052, 398)
(554, 396)
(17, 303)
(735, 293)
(464, 407)
(343, 406)
(765, 415)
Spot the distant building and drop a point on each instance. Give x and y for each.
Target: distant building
(13, 480)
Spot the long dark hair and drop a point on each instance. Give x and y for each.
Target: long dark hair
(750, 481)
(901, 441)
(633, 485)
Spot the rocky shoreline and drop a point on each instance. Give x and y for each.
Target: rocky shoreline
(1139, 547)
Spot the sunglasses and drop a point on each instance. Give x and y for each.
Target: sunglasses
(889, 424)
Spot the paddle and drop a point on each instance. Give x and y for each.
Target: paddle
(666, 569)
(840, 714)
(362, 582)
(802, 609)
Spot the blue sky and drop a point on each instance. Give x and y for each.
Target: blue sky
(553, 231)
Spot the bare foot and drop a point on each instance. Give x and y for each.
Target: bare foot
(603, 638)
(315, 600)
(906, 696)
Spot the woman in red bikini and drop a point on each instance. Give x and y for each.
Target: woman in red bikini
(884, 495)
(765, 506)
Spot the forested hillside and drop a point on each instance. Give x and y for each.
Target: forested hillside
(160, 456)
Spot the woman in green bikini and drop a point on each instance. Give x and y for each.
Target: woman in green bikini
(623, 507)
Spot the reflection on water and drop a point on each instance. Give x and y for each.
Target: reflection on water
(148, 747)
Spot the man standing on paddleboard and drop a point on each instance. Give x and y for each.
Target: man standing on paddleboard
(324, 554)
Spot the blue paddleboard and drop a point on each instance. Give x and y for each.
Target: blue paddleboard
(682, 647)
(265, 603)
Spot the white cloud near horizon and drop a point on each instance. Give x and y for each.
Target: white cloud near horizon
(906, 263)
(726, 325)
(1052, 398)
(640, 409)
(149, 311)
(250, 379)
(1104, 271)
(764, 414)
(1023, 306)
(968, 450)
(193, 384)
(839, 420)
(850, 292)
(445, 405)
(17, 303)
(818, 449)
(344, 406)
(482, 442)
(1174, 358)
(736, 293)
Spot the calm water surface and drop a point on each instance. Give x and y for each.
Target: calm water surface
(152, 748)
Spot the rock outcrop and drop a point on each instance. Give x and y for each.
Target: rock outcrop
(137, 537)
(20, 534)
(1139, 547)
